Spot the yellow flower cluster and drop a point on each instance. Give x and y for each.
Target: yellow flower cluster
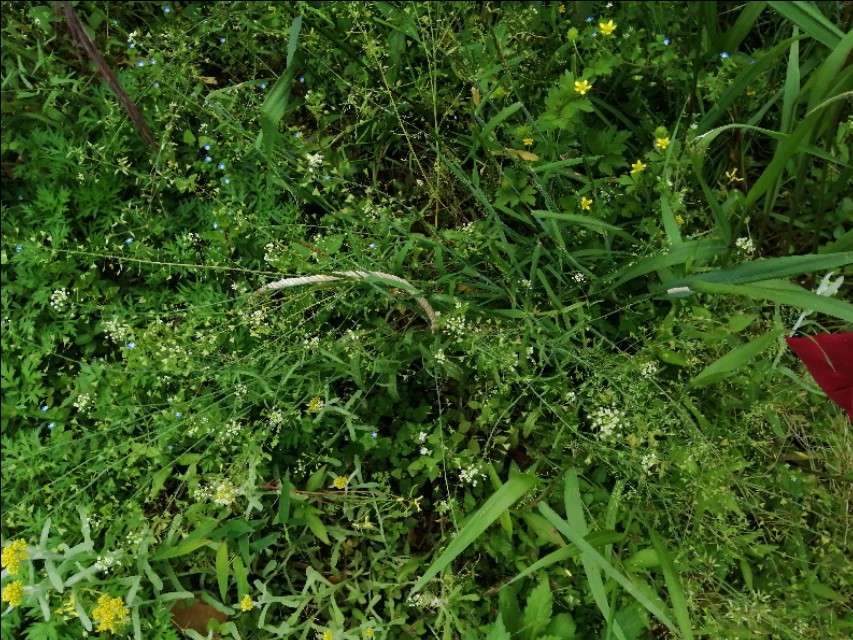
(13, 593)
(246, 603)
(340, 482)
(12, 556)
(315, 404)
(110, 614)
(328, 635)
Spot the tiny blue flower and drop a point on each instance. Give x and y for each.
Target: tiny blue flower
(20, 198)
(177, 415)
(18, 248)
(152, 62)
(208, 159)
(131, 345)
(169, 447)
(752, 61)
(230, 214)
(226, 180)
(724, 55)
(129, 241)
(297, 134)
(131, 45)
(51, 426)
(590, 19)
(594, 33)
(666, 41)
(301, 78)
(140, 63)
(221, 165)
(373, 435)
(156, 84)
(221, 40)
(167, 9)
(215, 225)
(263, 85)
(372, 245)
(206, 147)
(44, 409)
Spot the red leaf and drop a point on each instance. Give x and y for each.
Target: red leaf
(829, 358)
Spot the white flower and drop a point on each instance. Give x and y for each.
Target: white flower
(745, 245)
(424, 451)
(826, 288)
(314, 160)
(422, 436)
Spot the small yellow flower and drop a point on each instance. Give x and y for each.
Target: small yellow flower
(246, 603)
(607, 28)
(13, 593)
(586, 203)
(369, 632)
(582, 86)
(340, 482)
(13, 554)
(110, 614)
(315, 404)
(528, 142)
(662, 143)
(638, 167)
(328, 635)
(562, 9)
(679, 219)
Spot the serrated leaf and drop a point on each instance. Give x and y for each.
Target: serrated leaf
(498, 631)
(537, 611)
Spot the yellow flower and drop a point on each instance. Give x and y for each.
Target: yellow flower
(562, 9)
(12, 556)
(246, 603)
(586, 203)
(638, 167)
(315, 404)
(582, 86)
(528, 142)
(13, 593)
(369, 632)
(607, 28)
(662, 143)
(340, 482)
(328, 635)
(110, 614)
(679, 219)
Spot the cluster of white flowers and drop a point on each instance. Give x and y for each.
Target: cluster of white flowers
(257, 322)
(311, 343)
(240, 390)
(275, 417)
(426, 601)
(649, 460)
(440, 358)
(116, 331)
(745, 246)
(134, 538)
(232, 430)
(83, 402)
(571, 397)
(105, 564)
(608, 421)
(579, 277)
(648, 370)
(315, 160)
(424, 451)
(471, 474)
(422, 436)
(273, 251)
(455, 325)
(219, 492)
(59, 298)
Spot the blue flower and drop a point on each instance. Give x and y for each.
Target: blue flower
(169, 447)
(44, 409)
(752, 61)
(18, 248)
(208, 159)
(590, 19)
(131, 45)
(373, 435)
(51, 426)
(230, 214)
(206, 147)
(297, 134)
(177, 415)
(131, 345)
(226, 180)
(724, 55)
(221, 165)
(156, 84)
(666, 41)
(152, 62)
(167, 9)
(301, 78)
(129, 241)
(594, 33)
(140, 63)
(215, 225)
(263, 85)
(221, 40)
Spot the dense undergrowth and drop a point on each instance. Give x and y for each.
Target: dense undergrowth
(554, 401)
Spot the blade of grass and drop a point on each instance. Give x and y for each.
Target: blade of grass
(491, 510)
(673, 585)
(734, 359)
(275, 105)
(808, 18)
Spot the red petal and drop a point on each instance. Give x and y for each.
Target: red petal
(829, 358)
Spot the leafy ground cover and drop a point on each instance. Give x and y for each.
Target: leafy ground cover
(532, 382)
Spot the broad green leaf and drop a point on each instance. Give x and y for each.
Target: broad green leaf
(283, 514)
(491, 510)
(240, 577)
(537, 611)
(182, 549)
(735, 359)
(223, 569)
(275, 104)
(317, 528)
